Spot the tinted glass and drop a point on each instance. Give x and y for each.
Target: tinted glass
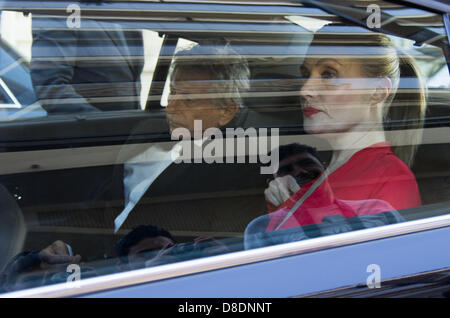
(172, 131)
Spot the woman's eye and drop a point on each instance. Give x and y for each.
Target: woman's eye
(328, 75)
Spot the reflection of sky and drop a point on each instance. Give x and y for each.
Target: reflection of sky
(440, 80)
(173, 26)
(438, 30)
(408, 12)
(345, 29)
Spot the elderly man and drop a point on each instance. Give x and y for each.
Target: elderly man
(206, 85)
(207, 88)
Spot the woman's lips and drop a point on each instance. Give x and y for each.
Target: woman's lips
(310, 111)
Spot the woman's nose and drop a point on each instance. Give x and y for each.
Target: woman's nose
(310, 88)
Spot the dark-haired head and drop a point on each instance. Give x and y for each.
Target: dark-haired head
(155, 237)
(300, 161)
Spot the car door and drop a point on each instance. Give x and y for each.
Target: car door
(100, 172)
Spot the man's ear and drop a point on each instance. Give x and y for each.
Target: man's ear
(228, 113)
(382, 89)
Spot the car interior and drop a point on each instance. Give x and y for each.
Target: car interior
(73, 158)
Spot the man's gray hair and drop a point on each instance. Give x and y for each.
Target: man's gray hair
(229, 69)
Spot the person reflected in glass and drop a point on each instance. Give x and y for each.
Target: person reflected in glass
(90, 68)
(351, 101)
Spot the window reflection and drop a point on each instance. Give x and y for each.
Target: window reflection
(103, 191)
(77, 70)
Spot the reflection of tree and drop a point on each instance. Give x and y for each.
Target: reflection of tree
(430, 59)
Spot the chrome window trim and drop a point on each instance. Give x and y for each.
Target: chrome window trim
(196, 266)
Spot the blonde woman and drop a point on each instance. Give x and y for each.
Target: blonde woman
(351, 95)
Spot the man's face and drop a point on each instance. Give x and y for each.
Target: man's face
(194, 97)
(139, 253)
(304, 167)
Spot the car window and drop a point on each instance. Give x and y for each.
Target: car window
(175, 131)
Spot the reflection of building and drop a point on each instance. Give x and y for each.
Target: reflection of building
(16, 31)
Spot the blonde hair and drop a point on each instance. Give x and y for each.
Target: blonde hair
(406, 103)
